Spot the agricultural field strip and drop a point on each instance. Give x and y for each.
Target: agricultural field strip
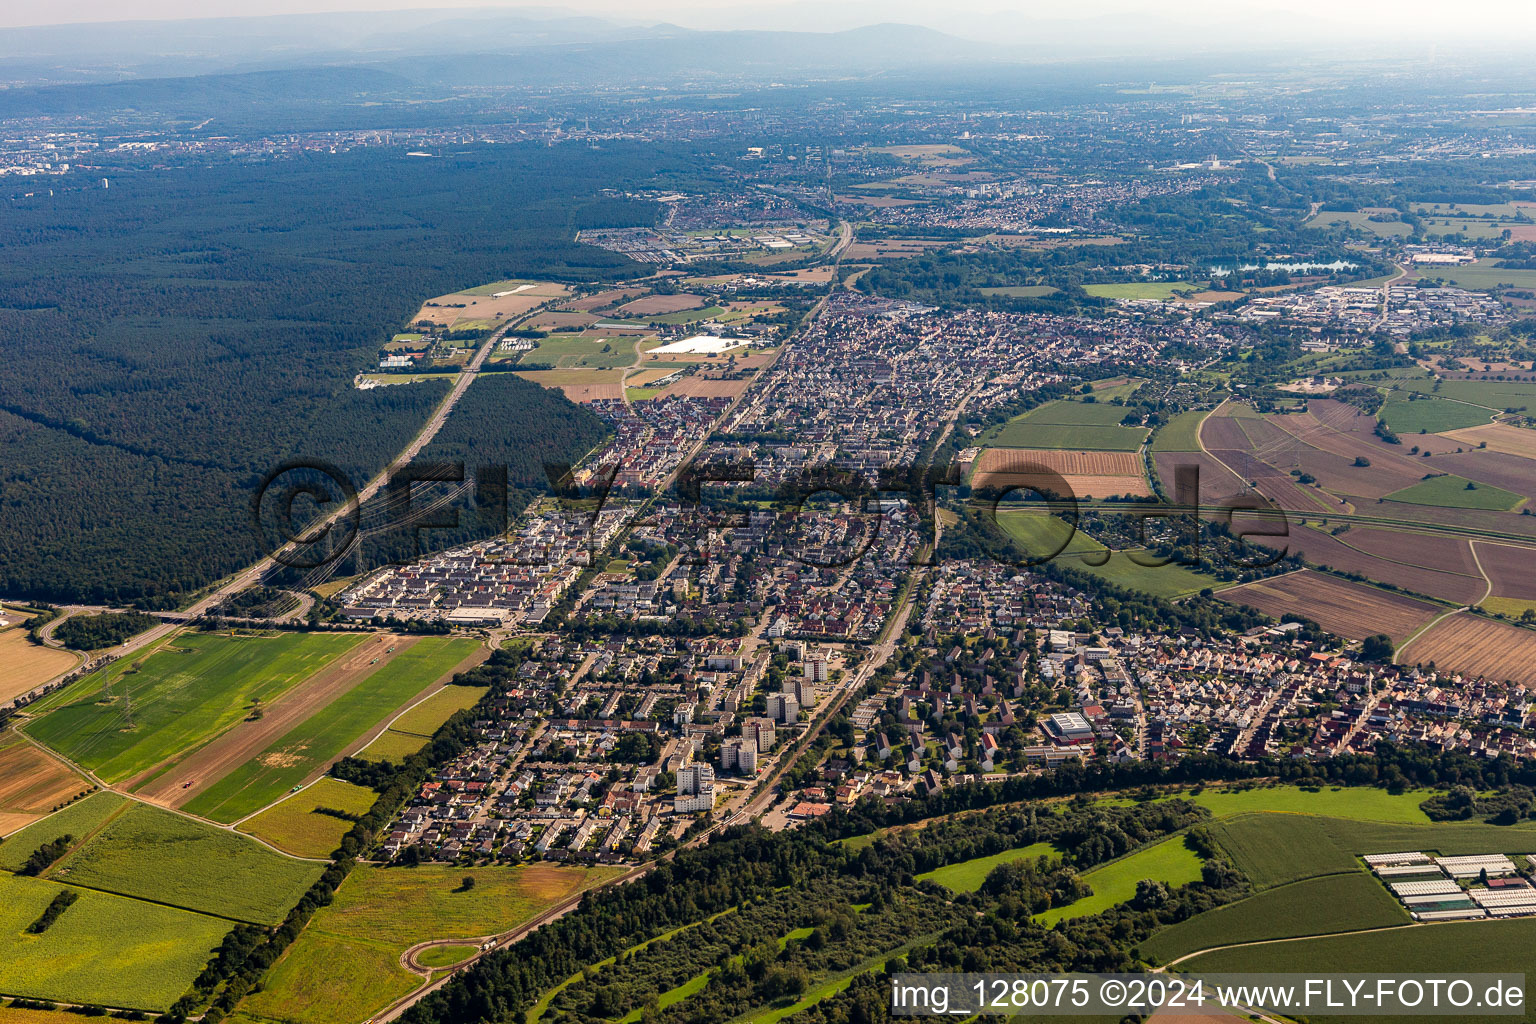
(1343, 538)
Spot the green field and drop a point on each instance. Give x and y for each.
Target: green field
(968, 875)
(1450, 491)
(1073, 425)
(410, 732)
(1432, 949)
(345, 966)
(1038, 534)
(1361, 803)
(79, 819)
(295, 826)
(1433, 415)
(1317, 906)
(1182, 433)
(1272, 849)
(1169, 861)
(1482, 275)
(168, 858)
(567, 351)
(104, 949)
(1141, 289)
(1337, 218)
(321, 738)
(182, 695)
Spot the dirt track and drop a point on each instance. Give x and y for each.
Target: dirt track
(211, 762)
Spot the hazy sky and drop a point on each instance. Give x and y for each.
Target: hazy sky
(1423, 18)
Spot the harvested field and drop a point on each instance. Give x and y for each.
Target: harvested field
(1346, 609)
(603, 300)
(1222, 431)
(1217, 482)
(1501, 437)
(458, 308)
(167, 784)
(699, 386)
(652, 304)
(1512, 569)
(1088, 474)
(1507, 472)
(1474, 645)
(1323, 549)
(1436, 552)
(31, 782)
(1279, 487)
(24, 665)
(554, 319)
(580, 385)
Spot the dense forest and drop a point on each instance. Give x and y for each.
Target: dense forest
(173, 337)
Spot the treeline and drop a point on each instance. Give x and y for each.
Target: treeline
(60, 903)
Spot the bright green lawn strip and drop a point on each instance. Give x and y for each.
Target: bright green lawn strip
(168, 858)
(1363, 803)
(79, 819)
(324, 735)
(833, 985)
(1450, 491)
(1317, 906)
(179, 699)
(968, 875)
(103, 949)
(1169, 861)
(538, 1010)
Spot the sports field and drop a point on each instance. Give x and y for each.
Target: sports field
(1067, 424)
(345, 966)
(131, 716)
(157, 855)
(1169, 861)
(968, 875)
(103, 949)
(1316, 906)
(310, 747)
(298, 825)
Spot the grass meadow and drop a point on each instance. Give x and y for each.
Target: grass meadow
(1169, 861)
(104, 949)
(968, 875)
(169, 858)
(1069, 424)
(345, 966)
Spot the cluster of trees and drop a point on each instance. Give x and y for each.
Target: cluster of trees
(60, 903)
(44, 856)
(93, 632)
